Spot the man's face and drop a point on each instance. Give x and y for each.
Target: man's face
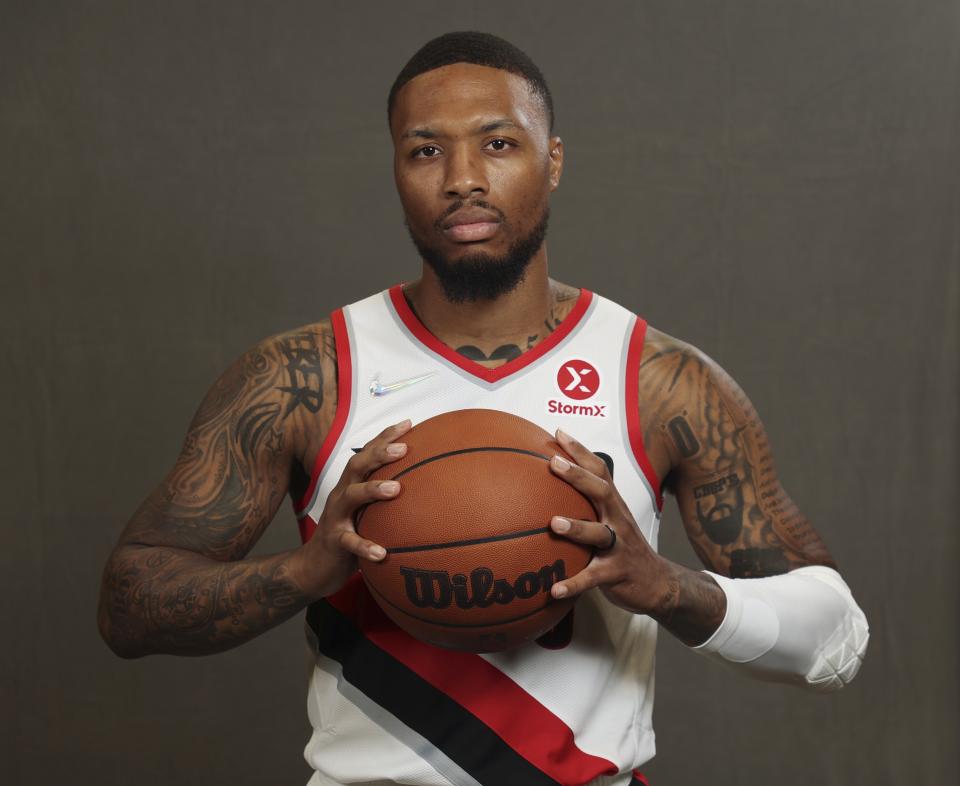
(474, 165)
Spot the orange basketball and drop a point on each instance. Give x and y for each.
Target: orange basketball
(470, 554)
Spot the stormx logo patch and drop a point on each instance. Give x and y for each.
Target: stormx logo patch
(577, 380)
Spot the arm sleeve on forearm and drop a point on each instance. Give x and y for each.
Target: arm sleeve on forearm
(803, 626)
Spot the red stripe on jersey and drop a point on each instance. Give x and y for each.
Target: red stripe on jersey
(514, 715)
(425, 337)
(632, 402)
(344, 383)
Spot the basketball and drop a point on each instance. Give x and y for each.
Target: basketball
(470, 554)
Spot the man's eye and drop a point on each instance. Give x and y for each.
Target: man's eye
(426, 152)
(499, 144)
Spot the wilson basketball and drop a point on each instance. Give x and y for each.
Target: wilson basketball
(470, 554)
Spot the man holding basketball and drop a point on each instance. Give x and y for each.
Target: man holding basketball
(475, 163)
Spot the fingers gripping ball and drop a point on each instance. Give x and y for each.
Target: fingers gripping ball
(470, 555)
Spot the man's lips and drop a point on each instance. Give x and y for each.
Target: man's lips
(471, 224)
(469, 233)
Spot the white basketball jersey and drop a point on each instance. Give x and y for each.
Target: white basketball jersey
(572, 708)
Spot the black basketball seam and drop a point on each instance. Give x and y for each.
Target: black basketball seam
(492, 624)
(412, 467)
(449, 453)
(454, 544)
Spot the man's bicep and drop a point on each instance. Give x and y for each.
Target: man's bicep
(234, 469)
(737, 515)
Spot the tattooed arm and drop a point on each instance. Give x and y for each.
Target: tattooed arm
(774, 607)
(788, 614)
(177, 582)
(705, 438)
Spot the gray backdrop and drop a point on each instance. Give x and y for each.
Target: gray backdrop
(776, 182)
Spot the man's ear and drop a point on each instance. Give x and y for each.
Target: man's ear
(556, 161)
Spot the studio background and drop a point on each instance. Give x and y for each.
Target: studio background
(775, 182)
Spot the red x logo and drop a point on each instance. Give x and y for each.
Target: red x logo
(578, 380)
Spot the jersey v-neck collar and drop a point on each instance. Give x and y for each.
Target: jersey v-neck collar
(417, 329)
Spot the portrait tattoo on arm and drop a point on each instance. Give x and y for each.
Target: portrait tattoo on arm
(739, 519)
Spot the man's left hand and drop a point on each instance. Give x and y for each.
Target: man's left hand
(626, 569)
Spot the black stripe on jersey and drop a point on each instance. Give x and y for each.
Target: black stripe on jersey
(431, 713)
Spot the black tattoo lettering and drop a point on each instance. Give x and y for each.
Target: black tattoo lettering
(305, 373)
(716, 486)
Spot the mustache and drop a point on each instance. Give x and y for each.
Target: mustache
(461, 203)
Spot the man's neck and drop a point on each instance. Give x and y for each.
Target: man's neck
(493, 332)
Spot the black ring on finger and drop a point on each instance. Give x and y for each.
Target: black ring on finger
(613, 538)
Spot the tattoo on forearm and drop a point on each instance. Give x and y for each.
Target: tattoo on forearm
(166, 600)
(692, 608)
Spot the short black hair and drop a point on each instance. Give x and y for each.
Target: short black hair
(480, 49)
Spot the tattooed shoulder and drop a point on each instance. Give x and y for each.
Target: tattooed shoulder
(244, 440)
(308, 359)
(665, 406)
(281, 377)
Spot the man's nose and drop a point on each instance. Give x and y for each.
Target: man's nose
(465, 176)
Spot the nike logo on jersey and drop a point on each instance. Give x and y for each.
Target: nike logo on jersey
(377, 388)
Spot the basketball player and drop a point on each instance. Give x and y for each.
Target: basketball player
(311, 413)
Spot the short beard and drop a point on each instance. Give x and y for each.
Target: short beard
(481, 276)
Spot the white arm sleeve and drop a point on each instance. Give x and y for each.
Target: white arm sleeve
(803, 627)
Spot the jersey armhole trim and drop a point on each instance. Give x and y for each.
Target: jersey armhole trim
(632, 404)
(344, 392)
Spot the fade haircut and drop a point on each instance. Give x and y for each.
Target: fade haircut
(481, 49)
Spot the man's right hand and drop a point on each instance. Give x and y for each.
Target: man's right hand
(325, 562)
